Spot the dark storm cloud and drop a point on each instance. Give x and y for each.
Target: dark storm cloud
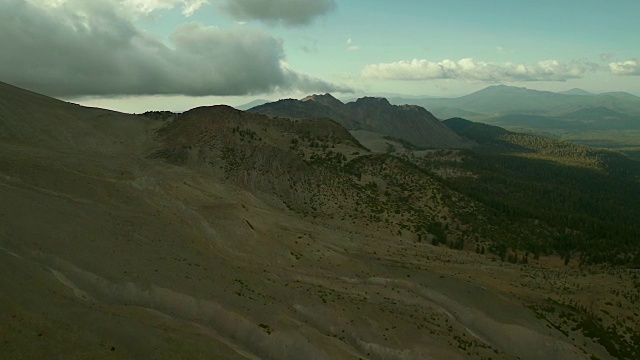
(287, 12)
(92, 48)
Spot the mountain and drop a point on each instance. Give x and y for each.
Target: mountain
(411, 123)
(219, 233)
(251, 104)
(576, 91)
(621, 95)
(500, 100)
(307, 109)
(36, 120)
(389, 96)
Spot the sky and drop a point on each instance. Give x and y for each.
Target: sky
(139, 55)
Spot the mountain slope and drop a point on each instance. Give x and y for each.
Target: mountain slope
(593, 192)
(411, 123)
(222, 234)
(29, 118)
(562, 151)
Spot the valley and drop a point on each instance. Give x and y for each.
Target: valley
(608, 120)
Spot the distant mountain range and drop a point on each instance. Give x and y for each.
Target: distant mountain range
(501, 100)
(408, 122)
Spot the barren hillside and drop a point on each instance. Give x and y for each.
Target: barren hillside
(232, 235)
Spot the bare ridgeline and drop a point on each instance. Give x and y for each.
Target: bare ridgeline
(225, 234)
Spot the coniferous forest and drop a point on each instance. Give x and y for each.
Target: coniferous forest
(589, 197)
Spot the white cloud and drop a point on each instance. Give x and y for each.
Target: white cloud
(148, 6)
(285, 12)
(137, 6)
(81, 47)
(190, 6)
(629, 67)
(351, 46)
(474, 70)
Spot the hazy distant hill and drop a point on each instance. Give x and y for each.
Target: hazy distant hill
(576, 91)
(411, 123)
(502, 100)
(251, 104)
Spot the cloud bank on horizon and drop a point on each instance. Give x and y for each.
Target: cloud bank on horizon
(197, 48)
(473, 70)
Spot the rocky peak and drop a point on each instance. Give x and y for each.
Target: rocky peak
(326, 99)
(372, 101)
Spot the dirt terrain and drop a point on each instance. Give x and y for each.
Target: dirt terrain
(108, 253)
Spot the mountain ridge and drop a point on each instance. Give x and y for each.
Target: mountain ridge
(499, 100)
(411, 123)
(577, 91)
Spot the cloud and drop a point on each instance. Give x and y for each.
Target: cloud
(285, 12)
(351, 46)
(148, 6)
(81, 48)
(606, 56)
(473, 70)
(308, 84)
(629, 67)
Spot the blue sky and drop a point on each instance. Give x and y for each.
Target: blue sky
(135, 55)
